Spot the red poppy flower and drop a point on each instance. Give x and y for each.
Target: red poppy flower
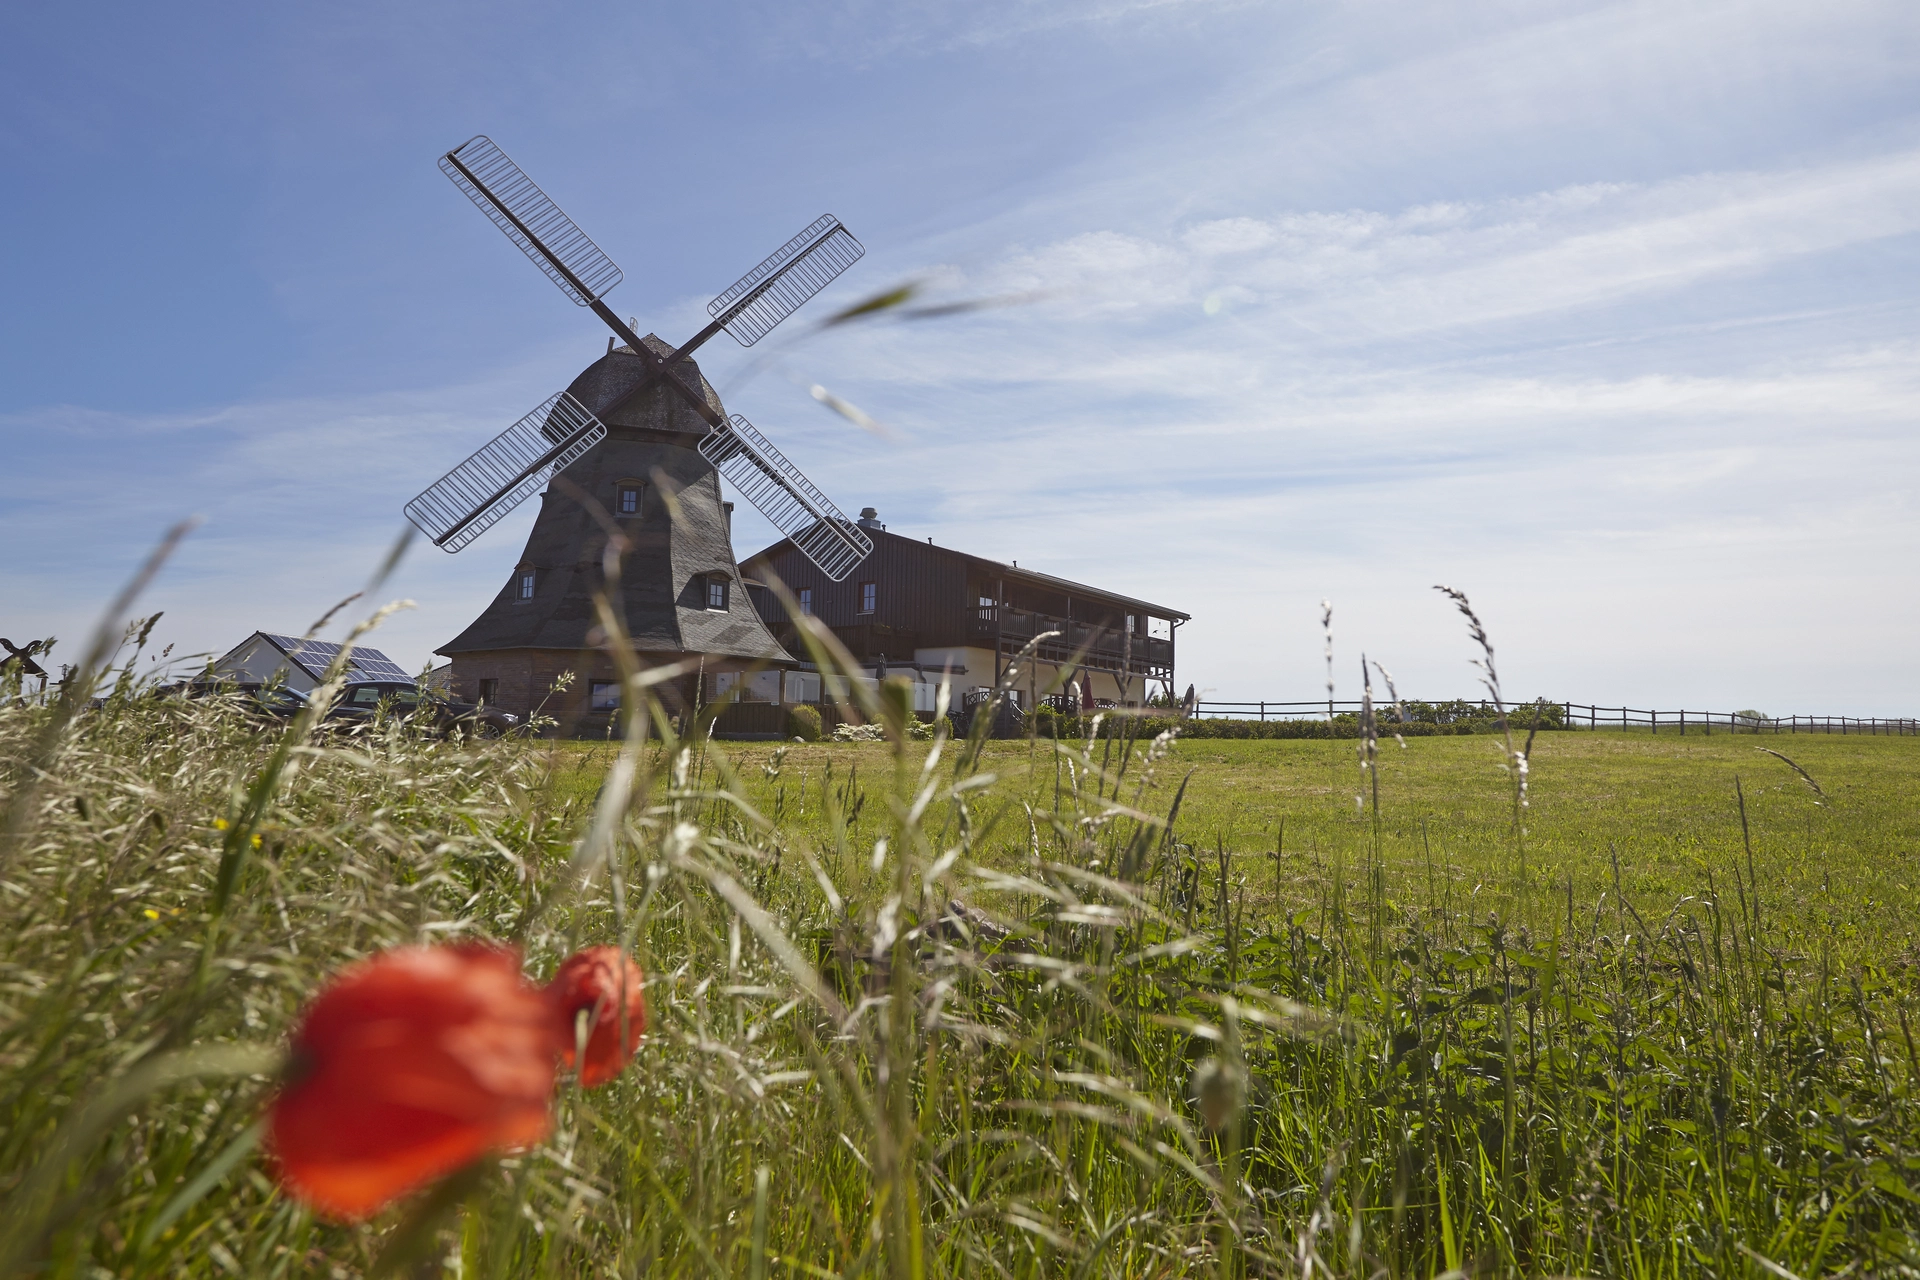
(407, 1066)
(602, 982)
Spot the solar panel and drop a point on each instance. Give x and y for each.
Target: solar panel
(371, 664)
(314, 656)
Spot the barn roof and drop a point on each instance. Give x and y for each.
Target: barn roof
(1008, 572)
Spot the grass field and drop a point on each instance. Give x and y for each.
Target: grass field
(921, 1010)
(1843, 869)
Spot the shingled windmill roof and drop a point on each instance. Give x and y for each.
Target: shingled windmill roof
(606, 380)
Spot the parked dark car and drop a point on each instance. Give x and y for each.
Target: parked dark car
(362, 700)
(271, 701)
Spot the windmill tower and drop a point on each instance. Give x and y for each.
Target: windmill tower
(643, 437)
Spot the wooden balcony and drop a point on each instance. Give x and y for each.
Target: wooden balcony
(1105, 649)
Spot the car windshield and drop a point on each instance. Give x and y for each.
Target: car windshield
(368, 695)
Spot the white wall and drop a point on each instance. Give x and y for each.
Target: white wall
(258, 662)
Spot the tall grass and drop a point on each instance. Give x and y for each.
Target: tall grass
(909, 1021)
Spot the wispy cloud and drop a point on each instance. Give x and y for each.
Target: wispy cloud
(1360, 275)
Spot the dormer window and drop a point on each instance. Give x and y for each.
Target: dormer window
(525, 584)
(627, 500)
(717, 593)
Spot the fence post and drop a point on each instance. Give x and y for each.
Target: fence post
(1655, 719)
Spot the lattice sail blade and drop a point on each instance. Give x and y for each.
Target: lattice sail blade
(788, 499)
(504, 472)
(541, 229)
(793, 273)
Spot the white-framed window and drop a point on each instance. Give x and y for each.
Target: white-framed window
(627, 500)
(806, 601)
(869, 596)
(525, 585)
(603, 695)
(717, 593)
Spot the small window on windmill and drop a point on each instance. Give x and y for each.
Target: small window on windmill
(604, 695)
(869, 596)
(717, 593)
(627, 501)
(525, 588)
(806, 601)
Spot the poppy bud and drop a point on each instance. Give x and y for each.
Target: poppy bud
(407, 1066)
(604, 984)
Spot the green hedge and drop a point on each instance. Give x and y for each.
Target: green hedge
(803, 722)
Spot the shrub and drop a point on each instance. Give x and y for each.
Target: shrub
(1046, 721)
(803, 722)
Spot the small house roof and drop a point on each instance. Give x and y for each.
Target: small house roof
(314, 656)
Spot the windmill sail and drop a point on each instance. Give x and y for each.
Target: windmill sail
(788, 499)
(778, 287)
(540, 228)
(472, 498)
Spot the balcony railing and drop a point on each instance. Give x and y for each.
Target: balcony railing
(1103, 647)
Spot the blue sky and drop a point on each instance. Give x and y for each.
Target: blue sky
(1602, 312)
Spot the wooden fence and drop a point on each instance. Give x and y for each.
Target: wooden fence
(1579, 715)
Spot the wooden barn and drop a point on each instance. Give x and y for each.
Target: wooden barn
(913, 607)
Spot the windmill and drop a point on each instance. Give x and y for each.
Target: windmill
(642, 433)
